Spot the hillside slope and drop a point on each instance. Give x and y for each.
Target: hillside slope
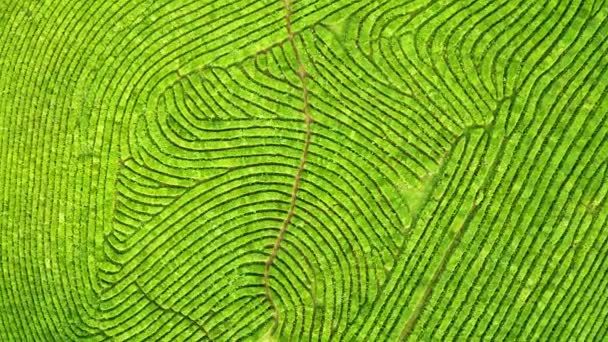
(303, 170)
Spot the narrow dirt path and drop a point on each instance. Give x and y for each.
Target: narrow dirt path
(298, 177)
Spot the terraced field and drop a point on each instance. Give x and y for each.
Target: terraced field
(304, 170)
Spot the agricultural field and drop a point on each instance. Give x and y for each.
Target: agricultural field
(303, 170)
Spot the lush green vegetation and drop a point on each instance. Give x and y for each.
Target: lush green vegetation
(303, 170)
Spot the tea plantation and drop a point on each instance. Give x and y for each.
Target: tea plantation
(303, 170)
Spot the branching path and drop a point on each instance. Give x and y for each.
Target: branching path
(159, 180)
(298, 178)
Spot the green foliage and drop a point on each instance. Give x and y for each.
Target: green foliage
(453, 188)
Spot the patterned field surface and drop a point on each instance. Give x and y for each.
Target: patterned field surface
(304, 170)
